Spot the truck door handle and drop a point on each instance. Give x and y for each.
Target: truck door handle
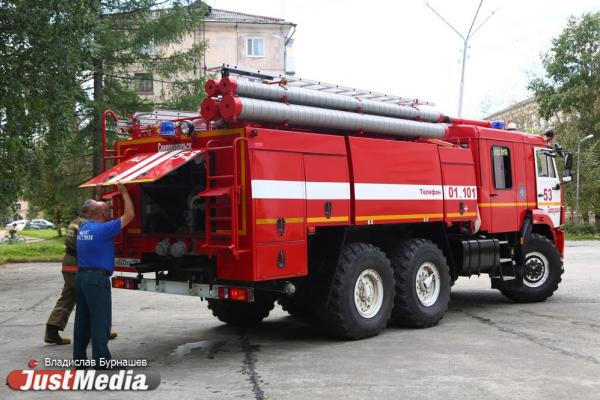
(280, 225)
(557, 187)
(327, 209)
(493, 194)
(541, 195)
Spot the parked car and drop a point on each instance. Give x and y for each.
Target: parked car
(42, 224)
(21, 223)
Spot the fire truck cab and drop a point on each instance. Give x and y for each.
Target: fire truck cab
(351, 227)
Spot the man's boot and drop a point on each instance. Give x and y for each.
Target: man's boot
(53, 337)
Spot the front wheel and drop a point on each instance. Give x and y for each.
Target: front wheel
(541, 273)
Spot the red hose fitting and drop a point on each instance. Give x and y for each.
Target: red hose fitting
(209, 109)
(211, 87)
(228, 85)
(230, 107)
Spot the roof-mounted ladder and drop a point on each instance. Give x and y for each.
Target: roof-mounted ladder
(227, 69)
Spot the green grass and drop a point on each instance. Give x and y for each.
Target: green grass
(581, 236)
(46, 250)
(41, 234)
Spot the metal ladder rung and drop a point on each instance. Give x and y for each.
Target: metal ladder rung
(221, 218)
(220, 246)
(219, 205)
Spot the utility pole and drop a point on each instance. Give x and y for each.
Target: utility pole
(588, 137)
(465, 38)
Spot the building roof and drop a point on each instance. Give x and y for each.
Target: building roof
(512, 107)
(226, 16)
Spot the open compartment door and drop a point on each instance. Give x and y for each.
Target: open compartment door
(144, 167)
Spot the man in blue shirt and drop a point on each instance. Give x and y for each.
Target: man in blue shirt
(96, 261)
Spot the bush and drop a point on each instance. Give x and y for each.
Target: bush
(580, 228)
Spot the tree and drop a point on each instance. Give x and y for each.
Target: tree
(570, 90)
(130, 34)
(62, 62)
(40, 61)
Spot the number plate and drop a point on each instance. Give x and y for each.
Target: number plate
(126, 262)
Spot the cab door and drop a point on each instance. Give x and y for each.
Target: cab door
(502, 203)
(547, 185)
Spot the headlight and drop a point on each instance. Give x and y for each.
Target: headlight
(187, 127)
(162, 247)
(178, 249)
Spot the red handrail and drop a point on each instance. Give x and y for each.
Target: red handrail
(104, 150)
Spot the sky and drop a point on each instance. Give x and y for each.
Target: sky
(402, 48)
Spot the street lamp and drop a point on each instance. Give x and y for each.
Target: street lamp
(465, 38)
(588, 137)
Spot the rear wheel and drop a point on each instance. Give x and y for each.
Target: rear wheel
(422, 284)
(362, 293)
(541, 273)
(242, 313)
(297, 308)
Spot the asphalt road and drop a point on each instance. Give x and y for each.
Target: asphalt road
(485, 348)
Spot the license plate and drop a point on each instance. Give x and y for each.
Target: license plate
(126, 262)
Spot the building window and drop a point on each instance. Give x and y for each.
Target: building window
(502, 169)
(144, 83)
(148, 48)
(255, 47)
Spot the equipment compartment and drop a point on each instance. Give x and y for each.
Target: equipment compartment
(172, 204)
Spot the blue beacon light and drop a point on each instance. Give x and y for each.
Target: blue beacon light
(167, 128)
(498, 124)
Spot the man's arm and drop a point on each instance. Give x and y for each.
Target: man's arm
(128, 213)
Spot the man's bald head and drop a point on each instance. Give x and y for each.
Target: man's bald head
(87, 207)
(95, 210)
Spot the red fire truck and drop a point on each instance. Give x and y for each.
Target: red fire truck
(351, 208)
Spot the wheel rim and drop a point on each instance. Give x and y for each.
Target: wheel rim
(536, 271)
(427, 283)
(368, 293)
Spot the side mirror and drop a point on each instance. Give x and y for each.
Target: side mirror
(568, 172)
(568, 161)
(558, 149)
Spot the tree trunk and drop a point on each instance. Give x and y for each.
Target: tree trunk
(585, 216)
(58, 224)
(98, 101)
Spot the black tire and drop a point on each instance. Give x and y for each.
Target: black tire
(296, 308)
(341, 316)
(535, 287)
(407, 258)
(240, 313)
